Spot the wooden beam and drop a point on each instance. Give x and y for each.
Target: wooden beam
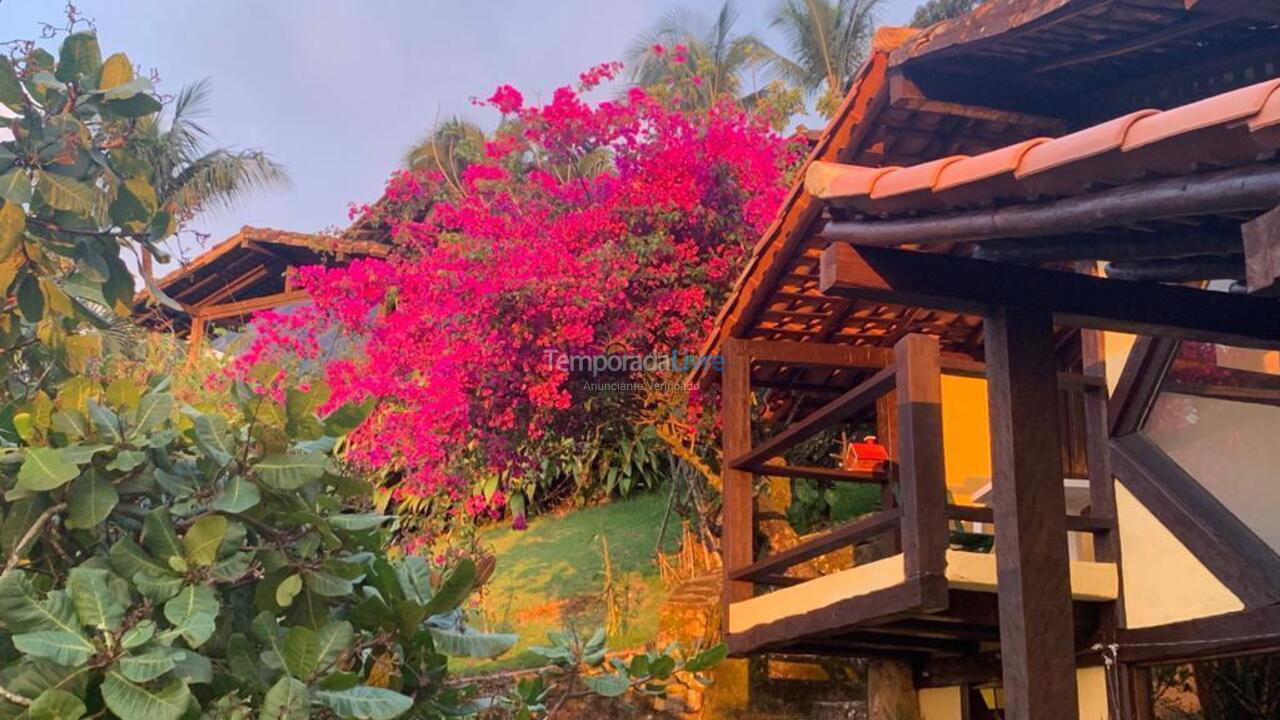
(838, 410)
(246, 307)
(1262, 253)
(1130, 246)
(849, 612)
(971, 286)
(1179, 270)
(1226, 546)
(738, 534)
(1135, 44)
(1032, 571)
(1074, 523)
(1140, 379)
(195, 339)
(817, 354)
(820, 473)
(230, 289)
(1245, 632)
(921, 465)
(1244, 189)
(1250, 9)
(862, 530)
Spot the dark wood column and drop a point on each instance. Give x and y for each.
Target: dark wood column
(921, 465)
(735, 418)
(1036, 634)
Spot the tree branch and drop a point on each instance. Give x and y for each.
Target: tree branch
(16, 556)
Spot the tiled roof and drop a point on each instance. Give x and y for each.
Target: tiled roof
(1235, 128)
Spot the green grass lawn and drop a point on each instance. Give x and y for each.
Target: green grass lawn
(551, 576)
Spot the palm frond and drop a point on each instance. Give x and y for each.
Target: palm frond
(221, 179)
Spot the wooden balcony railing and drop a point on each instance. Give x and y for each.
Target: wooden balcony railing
(920, 521)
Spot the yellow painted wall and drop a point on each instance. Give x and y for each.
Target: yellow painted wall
(939, 703)
(1163, 581)
(966, 435)
(1116, 347)
(1091, 692)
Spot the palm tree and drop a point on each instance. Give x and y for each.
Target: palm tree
(710, 54)
(448, 149)
(828, 40)
(188, 177)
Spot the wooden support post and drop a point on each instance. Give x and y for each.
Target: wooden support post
(195, 339)
(738, 534)
(891, 691)
(1036, 627)
(887, 435)
(1262, 253)
(921, 467)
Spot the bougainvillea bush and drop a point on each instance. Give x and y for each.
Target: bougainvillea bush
(586, 228)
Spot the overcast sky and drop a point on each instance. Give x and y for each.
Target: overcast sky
(338, 90)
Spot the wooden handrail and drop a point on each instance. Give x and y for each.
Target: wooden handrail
(872, 477)
(841, 408)
(1075, 523)
(854, 532)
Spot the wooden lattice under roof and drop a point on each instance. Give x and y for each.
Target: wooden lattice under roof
(980, 84)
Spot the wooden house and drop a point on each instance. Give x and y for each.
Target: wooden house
(1038, 247)
(246, 273)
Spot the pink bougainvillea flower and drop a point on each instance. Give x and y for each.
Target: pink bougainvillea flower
(585, 225)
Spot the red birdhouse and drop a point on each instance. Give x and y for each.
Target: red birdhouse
(867, 455)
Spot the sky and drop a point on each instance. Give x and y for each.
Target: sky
(337, 91)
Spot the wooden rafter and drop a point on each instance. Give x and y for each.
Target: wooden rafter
(975, 286)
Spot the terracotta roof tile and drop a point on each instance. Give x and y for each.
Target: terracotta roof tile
(1235, 128)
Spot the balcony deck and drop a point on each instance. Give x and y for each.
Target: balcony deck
(875, 608)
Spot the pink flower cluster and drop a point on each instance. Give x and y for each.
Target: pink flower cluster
(618, 224)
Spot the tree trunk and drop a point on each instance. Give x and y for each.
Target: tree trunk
(891, 691)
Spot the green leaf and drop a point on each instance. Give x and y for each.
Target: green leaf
(122, 394)
(203, 539)
(366, 703)
(10, 87)
(191, 666)
(159, 536)
(415, 579)
(129, 559)
(238, 495)
(126, 460)
(138, 105)
(193, 613)
(22, 514)
(357, 522)
(57, 646)
(95, 604)
(138, 635)
(331, 641)
(134, 204)
(288, 699)
(127, 700)
(288, 589)
(64, 193)
(301, 652)
(106, 422)
(146, 666)
(469, 643)
(30, 299)
(116, 71)
(153, 410)
(89, 501)
(290, 472)
(15, 186)
(13, 220)
(614, 685)
(158, 587)
(55, 704)
(454, 590)
(326, 584)
(21, 610)
(46, 469)
(211, 431)
(348, 417)
(707, 659)
(79, 57)
(232, 568)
